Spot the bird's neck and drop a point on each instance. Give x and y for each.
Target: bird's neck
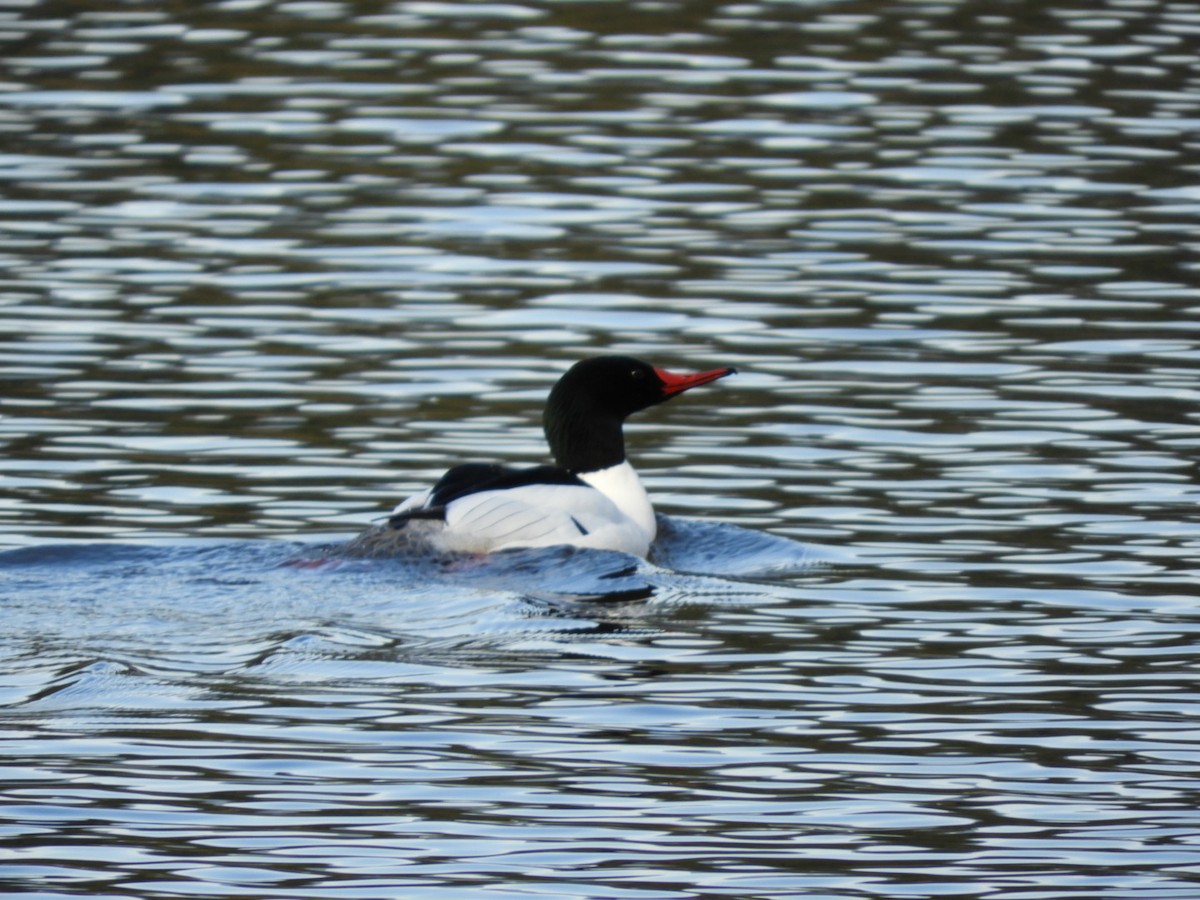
(584, 441)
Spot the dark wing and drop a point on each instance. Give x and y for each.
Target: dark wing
(466, 479)
(474, 478)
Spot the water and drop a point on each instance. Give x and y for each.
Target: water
(266, 268)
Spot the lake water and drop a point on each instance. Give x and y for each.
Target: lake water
(926, 618)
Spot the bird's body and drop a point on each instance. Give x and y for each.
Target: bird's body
(537, 507)
(590, 497)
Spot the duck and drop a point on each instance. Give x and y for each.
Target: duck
(591, 496)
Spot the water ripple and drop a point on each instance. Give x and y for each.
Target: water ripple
(270, 267)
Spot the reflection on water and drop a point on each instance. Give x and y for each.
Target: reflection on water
(268, 267)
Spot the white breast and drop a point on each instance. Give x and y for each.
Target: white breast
(621, 485)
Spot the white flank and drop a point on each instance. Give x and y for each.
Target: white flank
(416, 501)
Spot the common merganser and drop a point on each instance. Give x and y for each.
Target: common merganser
(590, 497)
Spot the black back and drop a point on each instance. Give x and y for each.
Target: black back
(472, 478)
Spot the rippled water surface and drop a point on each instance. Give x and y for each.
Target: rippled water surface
(924, 619)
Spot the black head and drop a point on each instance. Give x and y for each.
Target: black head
(586, 408)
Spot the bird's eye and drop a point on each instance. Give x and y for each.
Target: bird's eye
(637, 374)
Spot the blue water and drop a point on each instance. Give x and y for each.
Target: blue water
(268, 717)
(104, 598)
(922, 621)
